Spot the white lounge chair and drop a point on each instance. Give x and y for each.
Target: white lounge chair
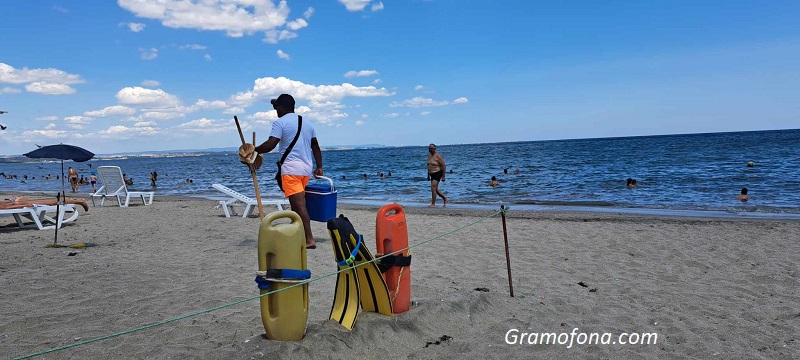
(239, 199)
(114, 185)
(37, 215)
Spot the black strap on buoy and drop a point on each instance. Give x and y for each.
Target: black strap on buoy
(390, 261)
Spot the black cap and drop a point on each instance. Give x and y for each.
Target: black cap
(284, 99)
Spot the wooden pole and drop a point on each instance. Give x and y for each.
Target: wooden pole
(252, 169)
(508, 258)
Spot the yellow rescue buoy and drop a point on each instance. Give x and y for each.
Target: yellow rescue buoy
(282, 246)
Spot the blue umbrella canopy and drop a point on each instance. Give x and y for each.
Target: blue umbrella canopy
(61, 151)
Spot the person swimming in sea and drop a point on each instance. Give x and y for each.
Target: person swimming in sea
(630, 183)
(494, 182)
(743, 197)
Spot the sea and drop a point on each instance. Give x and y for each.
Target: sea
(692, 174)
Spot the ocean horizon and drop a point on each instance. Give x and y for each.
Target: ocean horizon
(683, 173)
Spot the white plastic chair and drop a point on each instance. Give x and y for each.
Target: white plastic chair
(114, 185)
(239, 199)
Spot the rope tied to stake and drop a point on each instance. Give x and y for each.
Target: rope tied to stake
(237, 302)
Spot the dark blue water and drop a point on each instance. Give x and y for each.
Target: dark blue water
(675, 172)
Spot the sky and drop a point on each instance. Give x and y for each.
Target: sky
(154, 75)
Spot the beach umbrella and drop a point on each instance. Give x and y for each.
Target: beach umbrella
(61, 152)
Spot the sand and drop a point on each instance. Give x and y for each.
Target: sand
(709, 288)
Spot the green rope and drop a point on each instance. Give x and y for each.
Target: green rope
(164, 322)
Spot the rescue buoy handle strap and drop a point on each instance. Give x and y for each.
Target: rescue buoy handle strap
(262, 276)
(352, 258)
(388, 262)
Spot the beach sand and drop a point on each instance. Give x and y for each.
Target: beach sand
(709, 288)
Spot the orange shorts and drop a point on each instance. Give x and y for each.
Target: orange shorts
(293, 184)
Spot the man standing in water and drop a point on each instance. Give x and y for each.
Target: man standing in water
(297, 169)
(72, 175)
(436, 173)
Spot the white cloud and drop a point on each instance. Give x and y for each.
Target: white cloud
(197, 123)
(378, 6)
(354, 5)
(353, 73)
(145, 124)
(116, 110)
(418, 87)
(202, 104)
(136, 27)
(323, 112)
(283, 55)
(60, 9)
(376, 81)
(308, 13)
(425, 113)
(391, 115)
(207, 57)
(50, 126)
(418, 102)
(10, 90)
(269, 87)
(263, 116)
(235, 17)
(148, 54)
(297, 24)
(322, 115)
(138, 96)
(162, 115)
(234, 111)
(364, 116)
(118, 132)
(78, 120)
(46, 88)
(47, 118)
(151, 83)
(205, 126)
(360, 122)
(192, 47)
(9, 74)
(322, 102)
(274, 36)
(118, 129)
(50, 134)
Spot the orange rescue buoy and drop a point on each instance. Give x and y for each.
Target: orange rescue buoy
(391, 234)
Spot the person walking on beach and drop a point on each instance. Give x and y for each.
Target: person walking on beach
(436, 173)
(297, 169)
(72, 175)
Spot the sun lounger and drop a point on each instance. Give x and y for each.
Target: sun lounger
(114, 185)
(239, 199)
(38, 217)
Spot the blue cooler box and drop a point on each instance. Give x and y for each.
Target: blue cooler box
(321, 200)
